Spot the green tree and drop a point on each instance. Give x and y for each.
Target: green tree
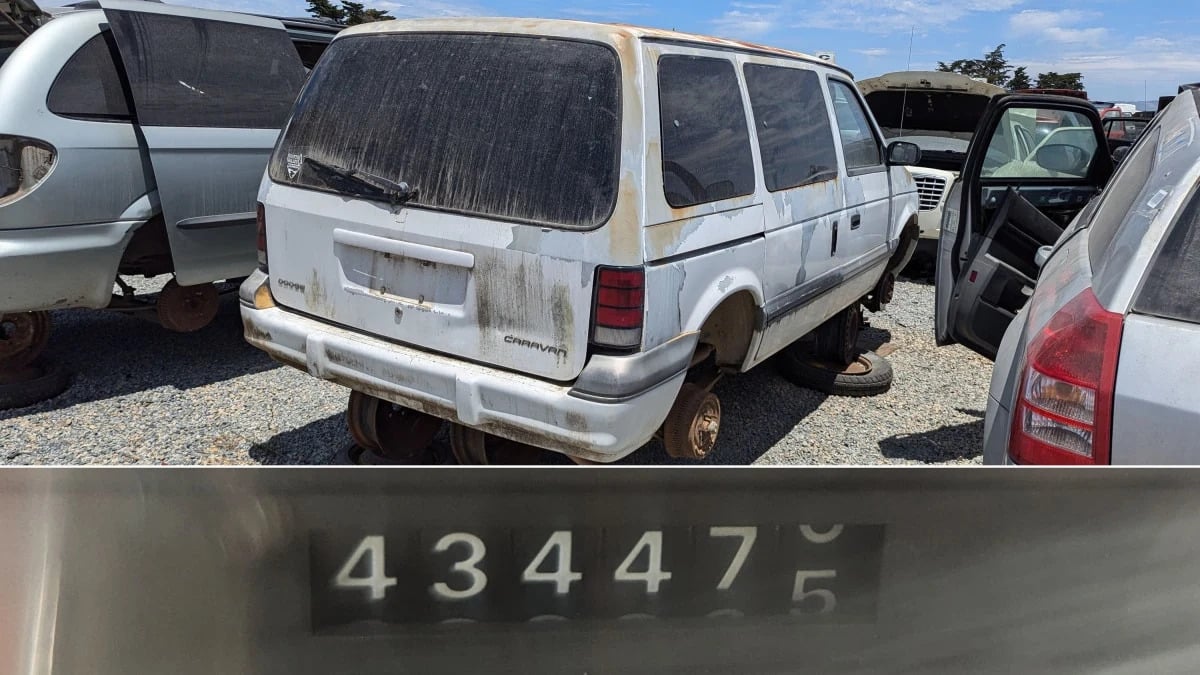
(348, 14)
(993, 67)
(1053, 80)
(1020, 79)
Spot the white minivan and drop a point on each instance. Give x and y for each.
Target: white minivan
(559, 234)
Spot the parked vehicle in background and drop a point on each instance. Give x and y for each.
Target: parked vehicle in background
(1071, 93)
(1123, 130)
(570, 265)
(1081, 321)
(939, 112)
(133, 136)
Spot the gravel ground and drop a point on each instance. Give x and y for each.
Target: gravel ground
(141, 394)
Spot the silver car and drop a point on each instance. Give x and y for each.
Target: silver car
(1078, 294)
(132, 139)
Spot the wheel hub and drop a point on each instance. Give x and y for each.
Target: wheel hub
(705, 429)
(23, 336)
(185, 309)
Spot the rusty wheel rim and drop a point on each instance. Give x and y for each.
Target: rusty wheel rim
(705, 427)
(23, 336)
(185, 309)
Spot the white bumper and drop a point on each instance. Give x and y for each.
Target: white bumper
(499, 402)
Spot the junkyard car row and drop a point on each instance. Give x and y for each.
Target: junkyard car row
(558, 235)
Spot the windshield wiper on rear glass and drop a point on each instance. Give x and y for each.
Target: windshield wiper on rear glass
(395, 193)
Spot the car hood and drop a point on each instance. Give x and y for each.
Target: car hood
(928, 102)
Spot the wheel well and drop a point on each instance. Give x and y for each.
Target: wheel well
(729, 328)
(148, 251)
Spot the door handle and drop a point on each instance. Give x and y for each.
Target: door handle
(855, 221)
(833, 245)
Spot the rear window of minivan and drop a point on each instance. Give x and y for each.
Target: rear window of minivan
(508, 127)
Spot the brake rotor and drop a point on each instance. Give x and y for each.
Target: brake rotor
(396, 433)
(185, 309)
(23, 336)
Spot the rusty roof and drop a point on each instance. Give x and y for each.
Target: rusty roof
(603, 32)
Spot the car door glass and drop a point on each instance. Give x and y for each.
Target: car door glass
(189, 72)
(858, 139)
(1063, 145)
(705, 141)
(794, 135)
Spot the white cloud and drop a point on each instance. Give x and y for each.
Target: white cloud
(1058, 27)
(893, 16)
(873, 52)
(621, 11)
(432, 8)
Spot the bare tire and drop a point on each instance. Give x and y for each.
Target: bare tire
(868, 375)
(690, 431)
(353, 454)
(397, 435)
(23, 337)
(472, 446)
(185, 309)
(32, 384)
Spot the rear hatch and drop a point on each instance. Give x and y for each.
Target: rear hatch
(424, 177)
(18, 18)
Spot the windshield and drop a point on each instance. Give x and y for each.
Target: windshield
(510, 127)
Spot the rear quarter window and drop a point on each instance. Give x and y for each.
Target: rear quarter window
(188, 72)
(89, 85)
(1171, 289)
(705, 141)
(1117, 200)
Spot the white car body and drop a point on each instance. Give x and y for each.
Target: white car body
(491, 322)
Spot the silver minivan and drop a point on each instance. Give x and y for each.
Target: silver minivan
(559, 234)
(132, 139)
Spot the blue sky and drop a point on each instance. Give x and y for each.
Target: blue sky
(1122, 47)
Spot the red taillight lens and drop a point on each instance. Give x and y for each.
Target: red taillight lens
(261, 223)
(1064, 407)
(620, 304)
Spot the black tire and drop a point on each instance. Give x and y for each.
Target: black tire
(802, 369)
(45, 380)
(353, 454)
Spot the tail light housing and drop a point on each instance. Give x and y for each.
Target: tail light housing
(261, 225)
(24, 163)
(1064, 406)
(619, 307)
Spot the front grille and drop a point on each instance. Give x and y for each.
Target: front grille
(929, 191)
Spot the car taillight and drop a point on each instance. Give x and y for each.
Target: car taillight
(261, 224)
(1064, 407)
(620, 303)
(24, 163)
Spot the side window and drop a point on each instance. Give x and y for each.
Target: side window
(794, 136)
(1064, 145)
(858, 140)
(190, 72)
(705, 143)
(89, 86)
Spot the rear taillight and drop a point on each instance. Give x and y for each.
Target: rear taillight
(261, 224)
(619, 307)
(24, 163)
(1064, 407)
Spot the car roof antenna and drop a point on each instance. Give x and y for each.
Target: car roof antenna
(904, 97)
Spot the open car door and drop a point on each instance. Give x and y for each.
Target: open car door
(210, 92)
(1034, 162)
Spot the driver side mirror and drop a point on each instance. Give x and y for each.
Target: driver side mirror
(1062, 158)
(903, 153)
(1120, 153)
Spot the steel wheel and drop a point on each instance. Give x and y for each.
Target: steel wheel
(23, 336)
(472, 446)
(691, 428)
(394, 432)
(184, 309)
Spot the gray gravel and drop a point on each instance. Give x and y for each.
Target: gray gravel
(141, 394)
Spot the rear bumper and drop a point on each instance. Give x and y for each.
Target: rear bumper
(549, 415)
(61, 267)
